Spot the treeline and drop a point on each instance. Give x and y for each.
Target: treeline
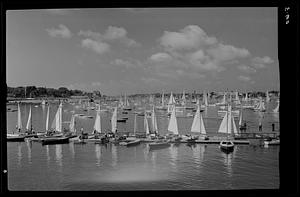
(34, 92)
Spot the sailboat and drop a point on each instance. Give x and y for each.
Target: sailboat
(276, 110)
(162, 107)
(114, 121)
(227, 126)
(72, 130)
(29, 131)
(198, 125)
(154, 122)
(57, 137)
(127, 105)
(19, 137)
(132, 140)
(237, 99)
(261, 106)
(223, 101)
(146, 126)
(267, 97)
(172, 127)
(171, 103)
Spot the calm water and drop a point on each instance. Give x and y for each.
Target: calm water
(32, 166)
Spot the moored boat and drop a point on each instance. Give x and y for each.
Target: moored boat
(55, 140)
(226, 146)
(159, 144)
(15, 138)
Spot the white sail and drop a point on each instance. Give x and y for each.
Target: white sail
(224, 124)
(228, 125)
(172, 99)
(235, 131)
(183, 100)
(205, 100)
(154, 121)
(146, 126)
(172, 127)
(28, 125)
(267, 97)
(246, 97)
(97, 125)
(114, 121)
(237, 98)
(241, 118)
(47, 119)
(19, 117)
(135, 124)
(276, 110)
(120, 102)
(224, 99)
(198, 125)
(163, 99)
(57, 121)
(72, 124)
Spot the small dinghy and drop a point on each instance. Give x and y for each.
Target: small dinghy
(226, 146)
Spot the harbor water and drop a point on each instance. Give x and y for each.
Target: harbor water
(90, 166)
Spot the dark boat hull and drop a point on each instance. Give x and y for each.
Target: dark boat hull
(15, 139)
(227, 149)
(47, 141)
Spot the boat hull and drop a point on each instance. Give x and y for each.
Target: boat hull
(159, 145)
(15, 138)
(227, 148)
(58, 140)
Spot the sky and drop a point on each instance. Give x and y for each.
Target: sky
(143, 50)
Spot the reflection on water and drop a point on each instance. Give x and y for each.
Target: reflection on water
(153, 159)
(173, 155)
(19, 153)
(58, 154)
(29, 146)
(98, 154)
(198, 154)
(47, 153)
(71, 146)
(114, 155)
(228, 159)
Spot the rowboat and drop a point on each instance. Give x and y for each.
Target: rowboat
(226, 146)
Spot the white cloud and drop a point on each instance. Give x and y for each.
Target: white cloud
(227, 52)
(61, 31)
(244, 78)
(246, 69)
(260, 62)
(193, 48)
(160, 57)
(191, 37)
(121, 62)
(96, 46)
(111, 34)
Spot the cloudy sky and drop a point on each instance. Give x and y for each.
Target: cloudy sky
(127, 50)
